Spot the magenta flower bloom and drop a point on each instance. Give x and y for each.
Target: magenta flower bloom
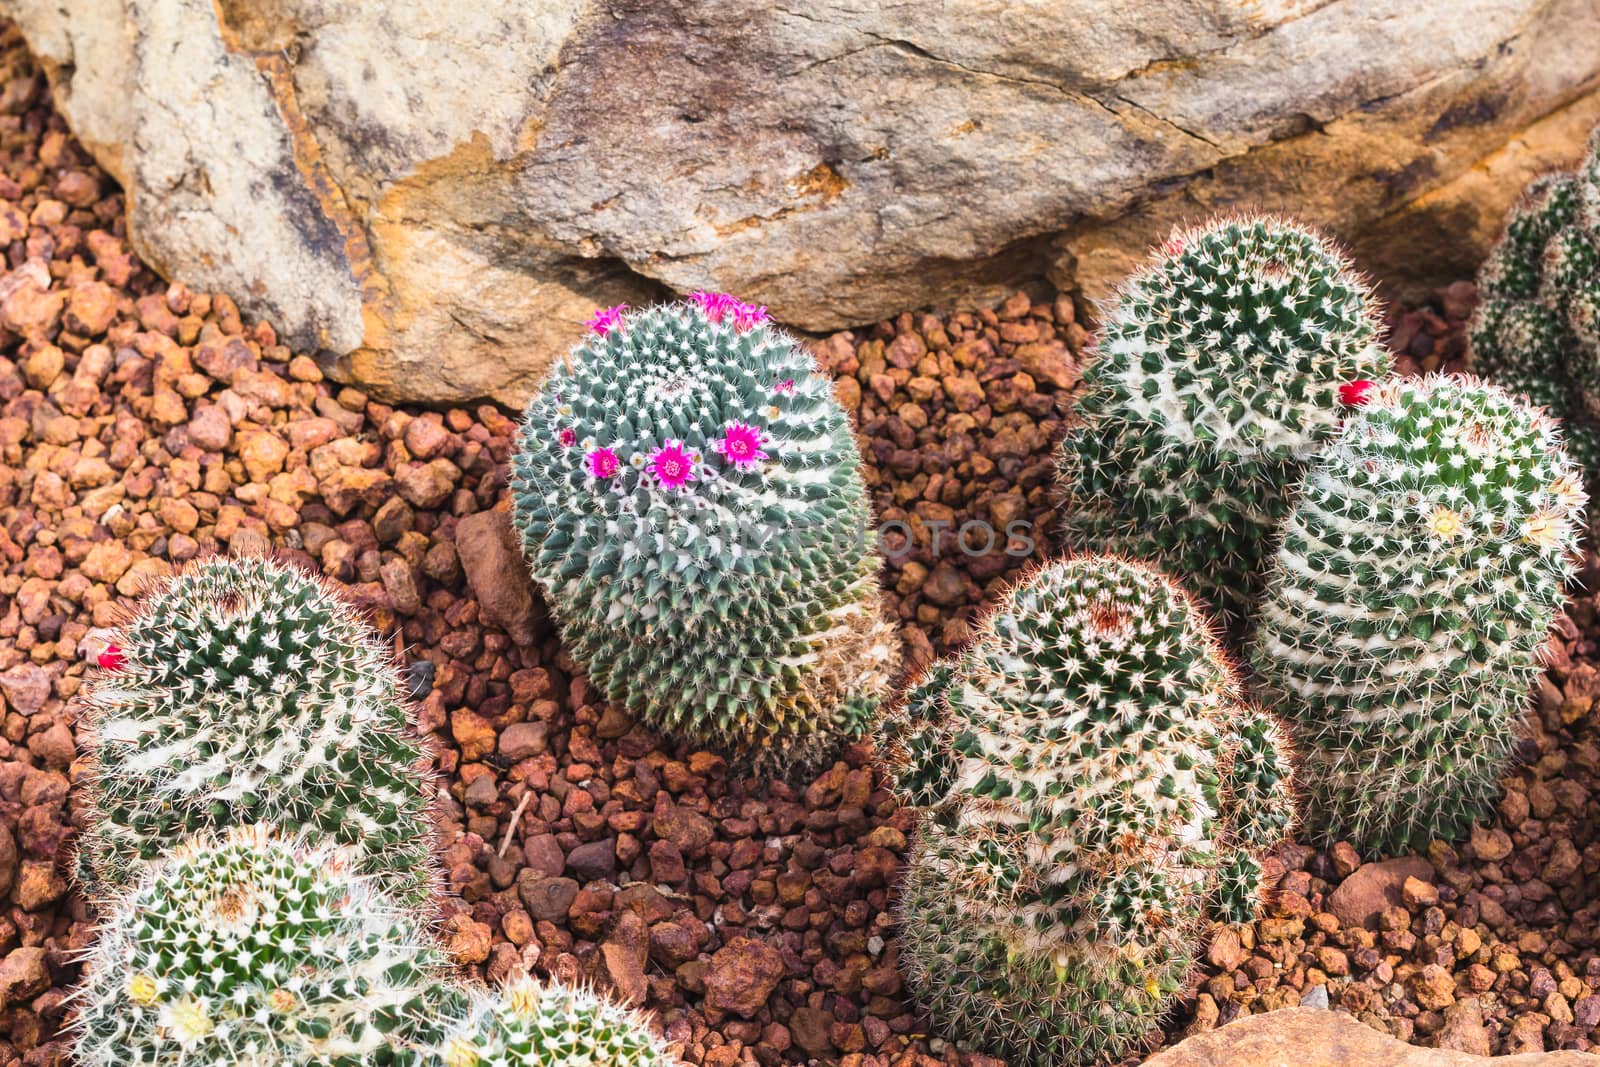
(606, 319)
(567, 437)
(602, 463)
(785, 387)
(715, 305)
(112, 659)
(671, 465)
(749, 316)
(741, 444)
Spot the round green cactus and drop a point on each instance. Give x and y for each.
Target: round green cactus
(246, 691)
(551, 1025)
(252, 949)
(1417, 580)
(1226, 359)
(689, 495)
(1098, 792)
(1537, 328)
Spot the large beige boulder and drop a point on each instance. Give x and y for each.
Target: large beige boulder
(1317, 1037)
(438, 194)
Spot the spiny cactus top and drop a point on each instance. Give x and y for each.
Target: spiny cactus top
(1537, 330)
(254, 950)
(1098, 790)
(247, 691)
(1237, 338)
(1417, 580)
(1225, 360)
(552, 1025)
(689, 493)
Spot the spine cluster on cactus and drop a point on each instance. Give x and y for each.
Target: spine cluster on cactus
(689, 495)
(1537, 330)
(1098, 790)
(253, 949)
(1225, 361)
(550, 1025)
(1417, 580)
(245, 691)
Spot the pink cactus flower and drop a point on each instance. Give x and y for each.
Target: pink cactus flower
(741, 444)
(671, 465)
(605, 320)
(785, 387)
(747, 317)
(715, 306)
(567, 437)
(112, 659)
(1355, 394)
(602, 463)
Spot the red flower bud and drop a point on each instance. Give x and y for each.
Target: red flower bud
(112, 659)
(1355, 394)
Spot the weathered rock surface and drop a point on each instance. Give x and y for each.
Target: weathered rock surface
(437, 195)
(1311, 1037)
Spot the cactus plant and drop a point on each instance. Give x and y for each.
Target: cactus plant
(534, 1025)
(1537, 328)
(1226, 359)
(1418, 578)
(1097, 792)
(689, 495)
(245, 691)
(247, 948)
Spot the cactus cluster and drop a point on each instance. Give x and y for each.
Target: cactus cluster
(1417, 580)
(260, 837)
(689, 495)
(1537, 330)
(1224, 362)
(249, 948)
(1097, 791)
(529, 1024)
(245, 691)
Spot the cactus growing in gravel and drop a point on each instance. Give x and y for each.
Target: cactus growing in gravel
(689, 495)
(530, 1024)
(1537, 329)
(245, 691)
(1098, 792)
(251, 949)
(1417, 580)
(1225, 361)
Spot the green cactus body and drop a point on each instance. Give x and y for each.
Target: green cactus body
(1219, 370)
(1417, 580)
(257, 951)
(689, 495)
(1098, 792)
(551, 1025)
(245, 691)
(1537, 328)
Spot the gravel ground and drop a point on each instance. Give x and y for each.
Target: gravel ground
(142, 425)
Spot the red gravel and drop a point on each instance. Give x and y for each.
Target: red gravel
(142, 425)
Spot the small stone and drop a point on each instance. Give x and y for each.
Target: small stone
(549, 899)
(1362, 897)
(595, 861)
(497, 573)
(1433, 988)
(523, 739)
(209, 429)
(1463, 1029)
(743, 974)
(24, 974)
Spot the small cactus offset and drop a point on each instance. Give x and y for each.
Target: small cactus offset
(245, 691)
(1417, 581)
(1098, 792)
(1537, 329)
(252, 949)
(529, 1024)
(1225, 361)
(688, 493)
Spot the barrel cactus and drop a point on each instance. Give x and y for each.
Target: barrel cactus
(552, 1025)
(689, 495)
(1537, 329)
(1225, 361)
(247, 948)
(1417, 580)
(246, 691)
(1097, 792)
